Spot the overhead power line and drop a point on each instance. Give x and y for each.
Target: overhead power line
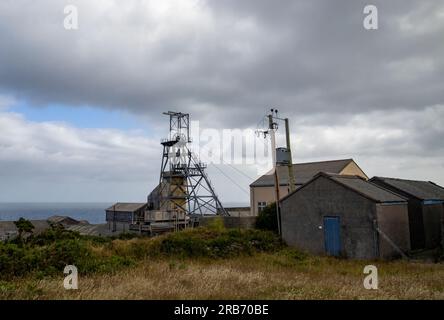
(229, 178)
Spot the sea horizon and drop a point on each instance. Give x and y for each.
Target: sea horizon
(93, 212)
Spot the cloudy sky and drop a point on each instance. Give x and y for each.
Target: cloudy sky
(80, 110)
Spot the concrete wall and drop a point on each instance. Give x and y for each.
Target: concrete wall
(416, 223)
(239, 212)
(432, 215)
(231, 222)
(442, 226)
(393, 220)
(304, 211)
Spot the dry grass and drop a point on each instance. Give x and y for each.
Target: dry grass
(261, 276)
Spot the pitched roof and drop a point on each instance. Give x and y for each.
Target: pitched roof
(367, 189)
(126, 207)
(303, 172)
(62, 220)
(423, 190)
(359, 185)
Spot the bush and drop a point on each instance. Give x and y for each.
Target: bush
(51, 251)
(267, 219)
(55, 233)
(211, 243)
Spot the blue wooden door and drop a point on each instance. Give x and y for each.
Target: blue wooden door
(332, 236)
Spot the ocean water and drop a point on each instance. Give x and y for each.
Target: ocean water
(92, 212)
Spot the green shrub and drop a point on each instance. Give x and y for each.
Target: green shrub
(23, 226)
(267, 218)
(49, 252)
(211, 243)
(55, 233)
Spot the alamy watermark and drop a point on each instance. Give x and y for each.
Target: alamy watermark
(71, 21)
(371, 281)
(371, 19)
(223, 146)
(71, 281)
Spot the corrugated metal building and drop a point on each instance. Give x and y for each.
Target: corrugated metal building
(344, 215)
(262, 190)
(124, 214)
(426, 211)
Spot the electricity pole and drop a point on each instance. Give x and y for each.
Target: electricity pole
(271, 128)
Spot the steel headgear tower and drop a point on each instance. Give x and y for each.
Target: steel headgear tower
(184, 186)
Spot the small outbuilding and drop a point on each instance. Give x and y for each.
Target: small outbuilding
(426, 211)
(344, 215)
(124, 214)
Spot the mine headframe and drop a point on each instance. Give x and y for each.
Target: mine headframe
(184, 186)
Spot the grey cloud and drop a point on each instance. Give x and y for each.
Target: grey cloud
(42, 161)
(221, 58)
(374, 95)
(61, 158)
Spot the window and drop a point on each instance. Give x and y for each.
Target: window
(261, 206)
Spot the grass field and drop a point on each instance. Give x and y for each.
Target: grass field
(261, 276)
(203, 264)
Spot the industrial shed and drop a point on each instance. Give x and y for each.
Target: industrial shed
(124, 214)
(426, 211)
(344, 215)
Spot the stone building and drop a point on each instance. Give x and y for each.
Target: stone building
(343, 215)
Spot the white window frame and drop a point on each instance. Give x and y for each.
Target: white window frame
(261, 206)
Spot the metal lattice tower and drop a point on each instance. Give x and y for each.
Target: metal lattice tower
(184, 185)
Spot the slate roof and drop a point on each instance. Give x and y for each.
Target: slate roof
(367, 189)
(62, 220)
(303, 172)
(423, 190)
(359, 185)
(126, 207)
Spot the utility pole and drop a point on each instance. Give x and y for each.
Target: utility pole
(271, 128)
(292, 181)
